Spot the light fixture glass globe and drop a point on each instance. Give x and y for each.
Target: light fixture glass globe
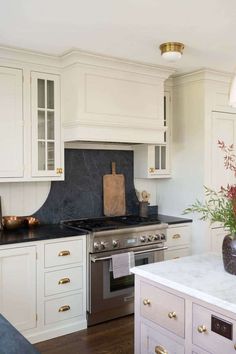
(171, 56)
(232, 94)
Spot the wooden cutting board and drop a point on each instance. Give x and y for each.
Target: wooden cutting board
(114, 193)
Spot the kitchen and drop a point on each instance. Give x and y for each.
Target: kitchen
(106, 143)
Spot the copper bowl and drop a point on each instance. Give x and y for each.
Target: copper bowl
(31, 221)
(12, 222)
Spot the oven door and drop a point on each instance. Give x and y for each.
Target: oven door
(107, 294)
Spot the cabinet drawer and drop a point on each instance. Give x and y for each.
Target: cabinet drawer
(163, 308)
(178, 236)
(176, 253)
(63, 308)
(64, 280)
(62, 253)
(154, 342)
(209, 340)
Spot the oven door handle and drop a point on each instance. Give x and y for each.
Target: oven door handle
(94, 259)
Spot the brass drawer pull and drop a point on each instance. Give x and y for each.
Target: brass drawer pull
(172, 314)
(64, 253)
(160, 350)
(176, 236)
(202, 329)
(64, 281)
(64, 308)
(146, 302)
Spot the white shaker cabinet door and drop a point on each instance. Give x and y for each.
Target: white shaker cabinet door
(11, 123)
(18, 286)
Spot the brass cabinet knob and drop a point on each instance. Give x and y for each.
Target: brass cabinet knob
(176, 236)
(160, 350)
(202, 329)
(151, 169)
(59, 170)
(146, 302)
(172, 314)
(235, 346)
(64, 281)
(64, 308)
(64, 253)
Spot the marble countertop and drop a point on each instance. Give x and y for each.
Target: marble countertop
(11, 341)
(200, 276)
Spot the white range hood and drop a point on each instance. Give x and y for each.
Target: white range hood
(112, 100)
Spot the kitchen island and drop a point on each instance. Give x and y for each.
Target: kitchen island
(185, 305)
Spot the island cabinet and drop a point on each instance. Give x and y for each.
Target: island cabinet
(188, 320)
(43, 286)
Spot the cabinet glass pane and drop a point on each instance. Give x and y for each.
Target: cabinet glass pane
(157, 157)
(41, 156)
(41, 125)
(50, 94)
(50, 127)
(163, 157)
(41, 93)
(51, 156)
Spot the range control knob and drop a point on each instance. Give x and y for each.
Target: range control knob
(150, 238)
(142, 238)
(96, 246)
(115, 243)
(163, 236)
(103, 245)
(157, 237)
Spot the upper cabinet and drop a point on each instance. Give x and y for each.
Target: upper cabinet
(31, 146)
(11, 124)
(46, 125)
(153, 161)
(110, 100)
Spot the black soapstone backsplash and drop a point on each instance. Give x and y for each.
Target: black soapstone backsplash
(81, 194)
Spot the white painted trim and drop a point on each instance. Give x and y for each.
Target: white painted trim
(204, 74)
(97, 146)
(46, 334)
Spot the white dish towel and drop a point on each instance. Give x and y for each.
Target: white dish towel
(121, 264)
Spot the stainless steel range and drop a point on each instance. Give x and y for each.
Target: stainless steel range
(110, 297)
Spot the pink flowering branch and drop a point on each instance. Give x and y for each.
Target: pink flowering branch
(229, 158)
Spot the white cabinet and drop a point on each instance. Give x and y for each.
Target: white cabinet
(18, 286)
(43, 287)
(46, 125)
(217, 237)
(178, 241)
(11, 124)
(153, 161)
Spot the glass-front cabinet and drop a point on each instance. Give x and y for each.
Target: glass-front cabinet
(153, 161)
(46, 125)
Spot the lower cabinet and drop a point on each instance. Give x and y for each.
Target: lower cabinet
(178, 241)
(43, 287)
(18, 286)
(153, 341)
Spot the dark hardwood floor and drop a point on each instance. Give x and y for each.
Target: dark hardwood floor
(116, 337)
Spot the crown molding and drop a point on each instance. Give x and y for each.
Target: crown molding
(203, 74)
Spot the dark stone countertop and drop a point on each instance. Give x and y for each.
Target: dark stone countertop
(170, 220)
(37, 233)
(11, 341)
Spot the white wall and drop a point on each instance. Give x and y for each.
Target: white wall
(23, 198)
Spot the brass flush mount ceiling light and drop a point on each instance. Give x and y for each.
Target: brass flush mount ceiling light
(171, 51)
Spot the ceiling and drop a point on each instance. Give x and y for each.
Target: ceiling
(131, 29)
